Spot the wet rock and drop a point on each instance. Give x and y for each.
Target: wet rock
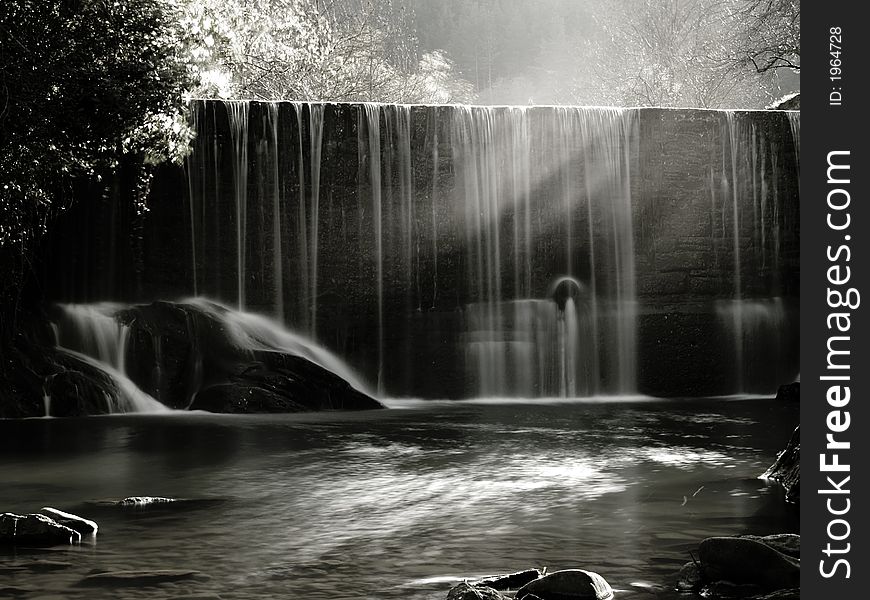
(787, 543)
(138, 578)
(511, 581)
(570, 584)
(744, 561)
(35, 530)
(467, 591)
(144, 501)
(187, 355)
(787, 468)
(240, 398)
(789, 392)
(80, 524)
(689, 578)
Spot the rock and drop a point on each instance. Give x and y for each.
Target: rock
(689, 578)
(511, 581)
(144, 501)
(787, 468)
(787, 543)
(789, 392)
(80, 524)
(467, 591)
(570, 584)
(744, 561)
(35, 530)
(137, 578)
(197, 355)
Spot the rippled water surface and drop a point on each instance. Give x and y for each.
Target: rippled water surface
(397, 503)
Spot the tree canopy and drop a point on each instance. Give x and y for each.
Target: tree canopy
(82, 82)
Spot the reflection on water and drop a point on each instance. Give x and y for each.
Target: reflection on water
(396, 504)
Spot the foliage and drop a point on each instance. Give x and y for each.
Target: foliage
(677, 53)
(83, 81)
(350, 50)
(768, 35)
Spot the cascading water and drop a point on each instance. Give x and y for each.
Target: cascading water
(93, 335)
(406, 236)
(750, 322)
(237, 111)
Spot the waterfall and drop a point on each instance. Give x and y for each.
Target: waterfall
(403, 237)
(237, 111)
(750, 171)
(315, 124)
(277, 219)
(373, 131)
(759, 336)
(794, 121)
(92, 334)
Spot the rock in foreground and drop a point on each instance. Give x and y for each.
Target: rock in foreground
(570, 584)
(80, 524)
(467, 591)
(511, 581)
(35, 530)
(748, 566)
(746, 561)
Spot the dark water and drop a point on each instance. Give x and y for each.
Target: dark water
(394, 504)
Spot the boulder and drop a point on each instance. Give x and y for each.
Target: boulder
(787, 543)
(511, 581)
(570, 584)
(787, 468)
(745, 561)
(789, 392)
(467, 591)
(199, 355)
(80, 524)
(35, 530)
(689, 578)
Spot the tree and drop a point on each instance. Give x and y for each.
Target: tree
(335, 50)
(82, 82)
(768, 35)
(672, 53)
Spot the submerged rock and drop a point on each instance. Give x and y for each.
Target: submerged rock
(787, 468)
(570, 584)
(746, 561)
(138, 578)
(468, 591)
(144, 501)
(35, 530)
(80, 524)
